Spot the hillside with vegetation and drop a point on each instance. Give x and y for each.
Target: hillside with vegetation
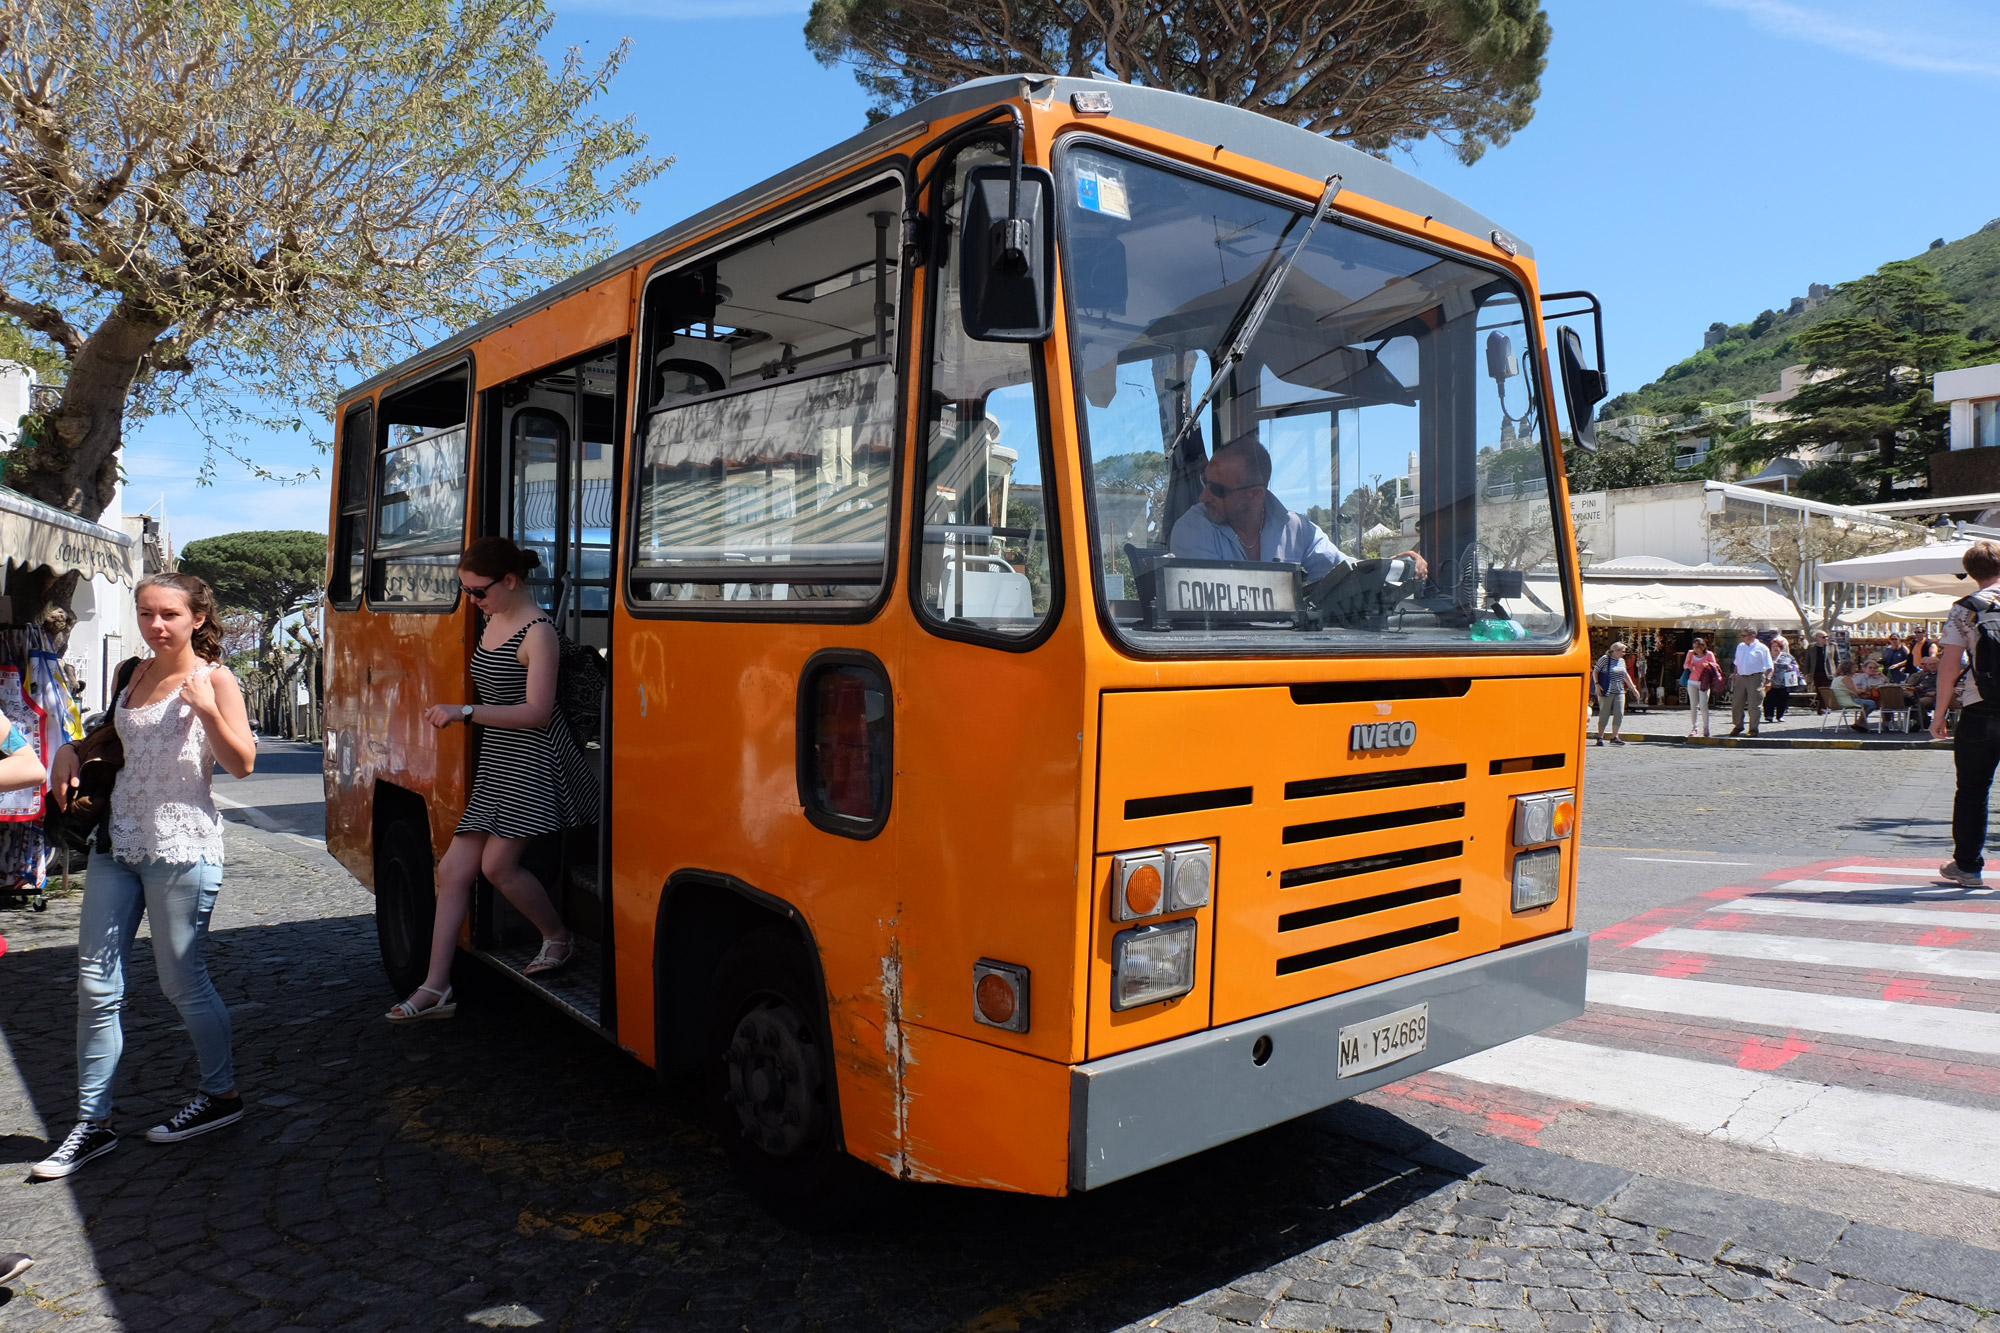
(1746, 359)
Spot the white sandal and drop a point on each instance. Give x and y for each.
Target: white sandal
(406, 1011)
(547, 960)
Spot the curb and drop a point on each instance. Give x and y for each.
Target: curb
(1788, 742)
(1741, 1231)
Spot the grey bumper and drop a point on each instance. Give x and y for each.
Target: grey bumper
(1131, 1112)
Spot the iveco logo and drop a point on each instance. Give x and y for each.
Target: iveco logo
(1381, 736)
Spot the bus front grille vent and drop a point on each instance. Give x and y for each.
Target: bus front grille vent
(1340, 953)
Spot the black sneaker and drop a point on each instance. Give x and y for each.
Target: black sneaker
(197, 1117)
(1617, 740)
(14, 1265)
(86, 1141)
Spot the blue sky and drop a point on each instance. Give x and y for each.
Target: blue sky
(1689, 160)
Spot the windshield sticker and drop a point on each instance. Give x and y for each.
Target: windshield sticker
(1102, 191)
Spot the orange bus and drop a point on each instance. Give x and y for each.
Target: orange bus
(1080, 568)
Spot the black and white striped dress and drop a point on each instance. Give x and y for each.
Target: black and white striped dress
(527, 780)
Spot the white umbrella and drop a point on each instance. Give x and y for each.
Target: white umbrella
(1889, 566)
(1643, 608)
(1916, 606)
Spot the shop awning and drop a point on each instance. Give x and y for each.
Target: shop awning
(33, 534)
(1709, 602)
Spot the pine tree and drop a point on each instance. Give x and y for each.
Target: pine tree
(1868, 392)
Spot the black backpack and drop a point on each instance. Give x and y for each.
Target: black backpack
(580, 680)
(1985, 649)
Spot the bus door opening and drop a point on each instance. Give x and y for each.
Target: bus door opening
(552, 472)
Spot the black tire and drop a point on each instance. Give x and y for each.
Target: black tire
(768, 1087)
(405, 903)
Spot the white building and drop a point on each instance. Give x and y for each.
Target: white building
(1973, 394)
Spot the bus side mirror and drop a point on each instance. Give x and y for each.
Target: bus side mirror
(1007, 260)
(1584, 387)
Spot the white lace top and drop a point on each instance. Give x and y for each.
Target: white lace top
(161, 806)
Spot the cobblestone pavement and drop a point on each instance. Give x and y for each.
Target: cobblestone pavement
(503, 1170)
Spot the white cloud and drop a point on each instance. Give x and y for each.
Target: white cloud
(1936, 38)
(670, 11)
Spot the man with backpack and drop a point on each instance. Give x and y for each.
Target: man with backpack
(1972, 633)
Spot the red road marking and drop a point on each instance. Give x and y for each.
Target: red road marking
(1764, 1054)
(1943, 936)
(1683, 965)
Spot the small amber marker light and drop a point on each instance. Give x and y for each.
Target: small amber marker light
(1000, 994)
(1142, 891)
(1564, 819)
(996, 999)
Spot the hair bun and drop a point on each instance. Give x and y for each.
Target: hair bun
(531, 558)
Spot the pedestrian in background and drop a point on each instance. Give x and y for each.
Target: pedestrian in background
(181, 714)
(1970, 630)
(1784, 676)
(1611, 681)
(1746, 690)
(1896, 659)
(1818, 668)
(1702, 675)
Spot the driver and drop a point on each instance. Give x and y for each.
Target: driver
(1239, 519)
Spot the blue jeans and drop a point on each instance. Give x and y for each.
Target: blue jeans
(180, 899)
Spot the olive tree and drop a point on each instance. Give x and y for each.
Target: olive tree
(226, 207)
(1376, 73)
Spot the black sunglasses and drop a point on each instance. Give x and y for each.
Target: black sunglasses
(478, 594)
(1224, 492)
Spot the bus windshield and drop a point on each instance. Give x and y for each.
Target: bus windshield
(1371, 475)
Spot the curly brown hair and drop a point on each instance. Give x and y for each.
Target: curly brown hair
(207, 639)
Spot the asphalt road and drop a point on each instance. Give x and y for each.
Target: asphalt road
(501, 1170)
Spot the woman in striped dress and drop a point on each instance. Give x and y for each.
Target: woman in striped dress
(532, 776)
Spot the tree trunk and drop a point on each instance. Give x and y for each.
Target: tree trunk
(71, 461)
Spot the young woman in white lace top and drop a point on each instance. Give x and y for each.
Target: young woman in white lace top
(181, 715)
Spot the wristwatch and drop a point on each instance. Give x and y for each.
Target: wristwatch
(465, 714)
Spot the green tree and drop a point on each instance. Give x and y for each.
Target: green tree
(268, 575)
(1377, 73)
(224, 207)
(1869, 391)
(1618, 464)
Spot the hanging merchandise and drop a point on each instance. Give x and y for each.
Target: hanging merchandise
(33, 722)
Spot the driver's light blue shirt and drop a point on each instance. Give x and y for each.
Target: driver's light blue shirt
(1287, 537)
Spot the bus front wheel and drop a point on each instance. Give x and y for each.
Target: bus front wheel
(405, 902)
(768, 1080)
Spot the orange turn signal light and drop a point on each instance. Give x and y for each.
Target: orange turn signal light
(1143, 890)
(1563, 821)
(1000, 995)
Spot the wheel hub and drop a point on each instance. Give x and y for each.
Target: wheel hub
(775, 1077)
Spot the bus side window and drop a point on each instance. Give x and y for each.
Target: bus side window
(350, 532)
(985, 561)
(769, 395)
(420, 493)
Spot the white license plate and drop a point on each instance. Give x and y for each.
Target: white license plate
(1385, 1040)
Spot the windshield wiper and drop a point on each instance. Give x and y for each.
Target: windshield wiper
(1251, 314)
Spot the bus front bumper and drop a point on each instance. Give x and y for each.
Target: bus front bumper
(1135, 1111)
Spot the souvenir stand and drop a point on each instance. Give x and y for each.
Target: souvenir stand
(35, 697)
(35, 686)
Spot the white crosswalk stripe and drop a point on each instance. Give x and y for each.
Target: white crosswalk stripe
(1887, 1131)
(1716, 1070)
(1829, 953)
(1858, 886)
(1888, 916)
(1841, 1015)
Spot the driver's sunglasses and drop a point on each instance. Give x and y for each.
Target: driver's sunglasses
(1224, 492)
(478, 594)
